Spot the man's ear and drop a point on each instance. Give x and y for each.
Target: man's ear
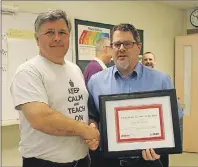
(37, 39)
(139, 46)
(105, 49)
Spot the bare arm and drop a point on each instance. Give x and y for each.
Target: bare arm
(43, 118)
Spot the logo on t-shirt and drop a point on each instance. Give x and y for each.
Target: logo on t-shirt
(71, 83)
(75, 97)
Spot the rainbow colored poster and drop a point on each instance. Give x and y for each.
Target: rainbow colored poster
(87, 37)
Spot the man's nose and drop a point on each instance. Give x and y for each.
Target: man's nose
(122, 48)
(57, 36)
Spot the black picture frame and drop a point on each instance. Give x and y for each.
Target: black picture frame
(171, 93)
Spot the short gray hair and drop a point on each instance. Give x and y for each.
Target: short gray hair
(101, 43)
(49, 16)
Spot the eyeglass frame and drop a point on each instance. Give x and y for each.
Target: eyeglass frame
(123, 43)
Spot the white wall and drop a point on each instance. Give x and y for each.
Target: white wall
(160, 23)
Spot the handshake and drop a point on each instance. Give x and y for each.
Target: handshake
(91, 136)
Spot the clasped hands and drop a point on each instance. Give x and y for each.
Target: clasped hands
(92, 139)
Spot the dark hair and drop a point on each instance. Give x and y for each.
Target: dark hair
(126, 27)
(51, 15)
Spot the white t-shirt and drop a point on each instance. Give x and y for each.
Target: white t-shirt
(62, 87)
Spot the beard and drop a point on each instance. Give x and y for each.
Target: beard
(123, 65)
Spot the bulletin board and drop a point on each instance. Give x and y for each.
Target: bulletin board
(18, 46)
(86, 34)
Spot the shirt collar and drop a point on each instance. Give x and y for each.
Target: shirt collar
(100, 62)
(136, 72)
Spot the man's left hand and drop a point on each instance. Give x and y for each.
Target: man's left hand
(150, 155)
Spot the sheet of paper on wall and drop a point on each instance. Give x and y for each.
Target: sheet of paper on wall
(4, 50)
(19, 51)
(87, 37)
(20, 33)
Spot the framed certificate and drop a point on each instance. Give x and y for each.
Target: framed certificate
(133, 122)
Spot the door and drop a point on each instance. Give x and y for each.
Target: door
(186, 83)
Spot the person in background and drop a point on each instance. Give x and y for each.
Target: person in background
(103, 57)
(126, 76)
(148, 59)
(51, 97)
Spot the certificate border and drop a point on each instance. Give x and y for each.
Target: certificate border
(159, 106)
(138, 95)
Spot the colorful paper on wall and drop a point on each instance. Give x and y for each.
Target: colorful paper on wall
(87, 37)
(20, 34)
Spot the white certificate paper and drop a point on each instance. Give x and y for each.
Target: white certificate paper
(139, 140)
(139, 123)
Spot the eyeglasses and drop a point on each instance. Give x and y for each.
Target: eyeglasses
(126, 44)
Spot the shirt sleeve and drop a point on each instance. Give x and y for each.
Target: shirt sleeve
(27, 86)
(91, 71)
(92, 109)
(167, 84)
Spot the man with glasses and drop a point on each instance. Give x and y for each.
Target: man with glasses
(51, 97)
(103, 57)
(127, 76)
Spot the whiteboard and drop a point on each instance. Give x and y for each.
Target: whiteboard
(15, 51)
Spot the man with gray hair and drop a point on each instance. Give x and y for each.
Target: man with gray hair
(103, 57)
(52, 101)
